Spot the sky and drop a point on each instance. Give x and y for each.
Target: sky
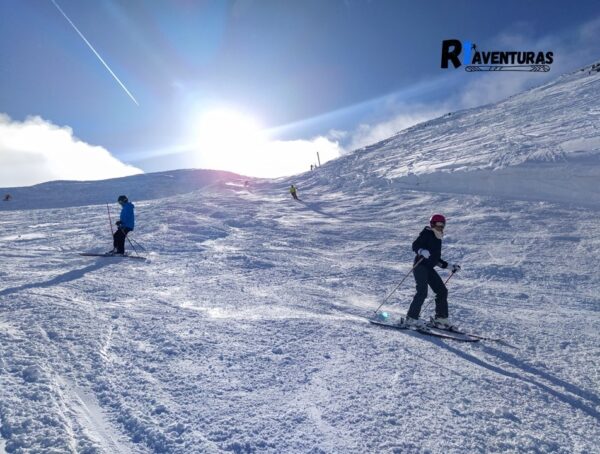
(94, 89)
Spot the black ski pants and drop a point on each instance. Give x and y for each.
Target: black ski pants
(119, 239)
(426, 276)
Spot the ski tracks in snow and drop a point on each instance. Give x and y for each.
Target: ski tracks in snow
(87, 412)
(247, 332)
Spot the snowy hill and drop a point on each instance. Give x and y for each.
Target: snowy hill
(60, 194)
(543, 144)
(247, 331)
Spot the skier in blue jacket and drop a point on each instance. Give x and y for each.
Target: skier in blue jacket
(125, 224)
(428, 250)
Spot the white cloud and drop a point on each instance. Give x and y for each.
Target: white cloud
(270, 158)
(491, 88)
(336, 134)
(228, 139)
(367, 134)
(297, 155)
(35, 151)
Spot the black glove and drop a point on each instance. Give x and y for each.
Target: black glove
(455, 268)
(118, 223)
(443, 264)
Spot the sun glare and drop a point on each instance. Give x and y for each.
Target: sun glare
(229, 140)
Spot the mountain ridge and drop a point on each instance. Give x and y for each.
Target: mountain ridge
(542, 144)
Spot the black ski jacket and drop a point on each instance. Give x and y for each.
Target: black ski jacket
(428, 240)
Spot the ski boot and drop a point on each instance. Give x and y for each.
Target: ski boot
(413, 323)
(440, 323)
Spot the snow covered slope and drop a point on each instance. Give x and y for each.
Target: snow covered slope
(543, 144)
(59, 194)
(247, 331)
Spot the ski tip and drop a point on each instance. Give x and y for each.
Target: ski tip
(384, 316)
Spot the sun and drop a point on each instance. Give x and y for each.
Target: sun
(228, 140)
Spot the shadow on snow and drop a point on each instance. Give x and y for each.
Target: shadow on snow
(60, 279)
(587, 407)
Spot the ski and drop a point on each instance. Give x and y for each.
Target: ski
(91, 254)
(425, 331)
(452, 329)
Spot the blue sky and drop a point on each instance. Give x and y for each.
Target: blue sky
(348, 72)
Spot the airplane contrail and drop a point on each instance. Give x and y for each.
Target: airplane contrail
(94, 50)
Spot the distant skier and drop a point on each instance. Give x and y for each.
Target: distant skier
(7, 198)
(428, 250)
(293, 192)
(125, 224)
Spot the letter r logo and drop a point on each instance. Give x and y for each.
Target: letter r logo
(451, 49)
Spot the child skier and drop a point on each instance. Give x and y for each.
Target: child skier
(125, 224)
(428, 250)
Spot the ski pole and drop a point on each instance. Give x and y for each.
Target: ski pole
(132, 246)
(403, 279)
(139, 245)
(112, 232)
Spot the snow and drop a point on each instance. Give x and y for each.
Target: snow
(246, 329)
(531, 141)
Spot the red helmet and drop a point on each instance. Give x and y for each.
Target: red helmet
(436, 218)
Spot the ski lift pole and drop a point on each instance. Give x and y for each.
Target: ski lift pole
(403, 279)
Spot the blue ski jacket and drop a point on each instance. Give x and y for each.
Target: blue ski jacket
(127, 217)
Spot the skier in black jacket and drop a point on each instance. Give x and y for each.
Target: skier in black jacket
(428, 250)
